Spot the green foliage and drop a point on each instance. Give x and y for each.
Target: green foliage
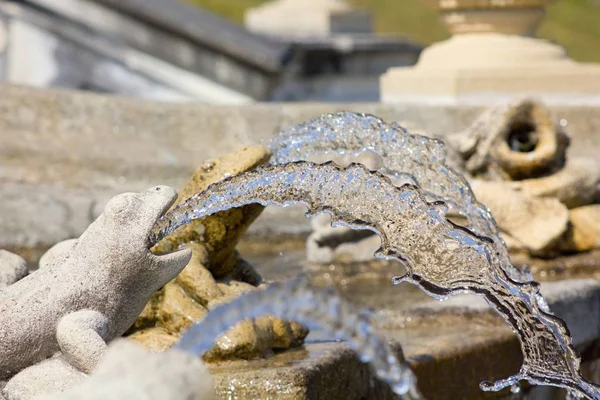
(571, 23)
(232, 9)
(575, 24)
(411, 18)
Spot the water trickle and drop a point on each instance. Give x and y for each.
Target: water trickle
(318, 309)
(441, 257)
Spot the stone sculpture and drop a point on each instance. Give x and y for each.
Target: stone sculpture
(49, 376)
(513, 141)
(516, 158)
(12, 268)
(130, 371)
(93, 292)
(55, 251)
(215, 274)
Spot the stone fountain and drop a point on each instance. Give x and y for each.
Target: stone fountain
(451, 346)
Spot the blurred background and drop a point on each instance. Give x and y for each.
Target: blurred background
(242, 51)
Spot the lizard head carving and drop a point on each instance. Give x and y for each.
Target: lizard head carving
(129, 217)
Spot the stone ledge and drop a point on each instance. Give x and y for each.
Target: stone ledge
(72, 144)
(450, 353)
(570, 300)
(306, 373)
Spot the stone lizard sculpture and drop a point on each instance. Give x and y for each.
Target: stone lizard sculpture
(93, 292)
(130, 371)
(12, 268)
(215, 274)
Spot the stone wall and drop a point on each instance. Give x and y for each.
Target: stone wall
(45, 49)
(63, 153)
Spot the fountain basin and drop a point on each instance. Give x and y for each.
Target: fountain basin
(456, 343)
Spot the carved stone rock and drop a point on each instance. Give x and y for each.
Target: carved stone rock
(584, 229)
(47, 377)
(516, 141)
(536, 191)
(215, 274)
(535, 223)
(13, 268)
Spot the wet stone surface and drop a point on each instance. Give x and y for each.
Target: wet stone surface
(456, 343)
(451, 345)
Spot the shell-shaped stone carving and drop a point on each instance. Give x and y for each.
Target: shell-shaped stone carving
(518, 141)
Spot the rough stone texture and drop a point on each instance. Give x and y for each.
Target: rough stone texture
(46, 377)
(218, 233)
(575, 185)
(12, 268)
(92, 293)
(451, 353)
(56, 251)
(534, 223)
(129, 371)
(82, 337)
(215, 273)
(155, 339)
(522, 150)
(584, 230)
(515, 141)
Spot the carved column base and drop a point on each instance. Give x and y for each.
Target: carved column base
(490, 66)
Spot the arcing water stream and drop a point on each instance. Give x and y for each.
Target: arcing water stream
(441, 257)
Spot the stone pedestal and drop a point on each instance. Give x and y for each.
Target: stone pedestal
(492, 58)
(307, 18)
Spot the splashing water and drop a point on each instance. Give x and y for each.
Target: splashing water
(416, 158)
(441, 258)
(316, 308)
(419, 159)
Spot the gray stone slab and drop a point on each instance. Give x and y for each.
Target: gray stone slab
(34, 215)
